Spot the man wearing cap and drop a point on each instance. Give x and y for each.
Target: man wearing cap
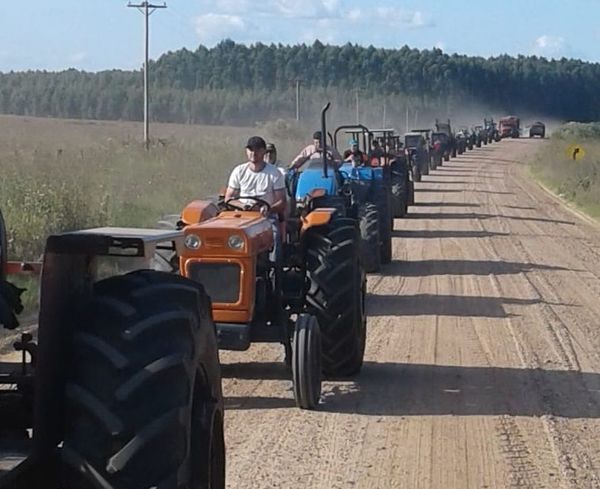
(257, 178)
(314, 151)
(271, 157)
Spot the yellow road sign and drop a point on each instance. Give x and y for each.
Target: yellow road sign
(575, 152)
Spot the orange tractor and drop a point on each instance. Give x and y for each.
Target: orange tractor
(122, 389)
(312, 302)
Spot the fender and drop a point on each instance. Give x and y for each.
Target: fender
(198, 211)
(318, 217)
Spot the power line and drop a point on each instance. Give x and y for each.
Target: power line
(147, 9)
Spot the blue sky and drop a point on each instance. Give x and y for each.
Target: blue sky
(102, 34)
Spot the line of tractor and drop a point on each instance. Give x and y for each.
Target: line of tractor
(122, 388)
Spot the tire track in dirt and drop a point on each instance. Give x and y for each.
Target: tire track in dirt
(558, 331)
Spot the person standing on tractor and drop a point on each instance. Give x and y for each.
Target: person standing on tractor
(259, 179)
(314, 151)
(354, 154)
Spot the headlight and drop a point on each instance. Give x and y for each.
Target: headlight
(235, 242)
(193, 241)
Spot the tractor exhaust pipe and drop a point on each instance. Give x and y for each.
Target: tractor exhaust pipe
(324, 137)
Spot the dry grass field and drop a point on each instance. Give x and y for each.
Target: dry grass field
(60, 175)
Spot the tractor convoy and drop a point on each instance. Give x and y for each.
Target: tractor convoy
(122, 387)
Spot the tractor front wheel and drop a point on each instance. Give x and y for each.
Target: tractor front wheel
(306, 362)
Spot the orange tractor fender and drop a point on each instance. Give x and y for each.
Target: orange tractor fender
(198, 211)
(318, 217)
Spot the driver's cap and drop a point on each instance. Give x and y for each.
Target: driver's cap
(256, 142)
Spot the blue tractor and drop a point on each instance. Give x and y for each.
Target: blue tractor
(357, 190)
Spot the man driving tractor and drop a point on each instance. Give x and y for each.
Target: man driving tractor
(261, 180)
(314, 151)
(354, 154)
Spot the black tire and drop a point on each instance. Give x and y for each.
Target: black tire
(399, 194)
(368, 224)
(143, 397)
(336, 294)
(386, 221)
(306, 362)
(3, 248)
(416, 172)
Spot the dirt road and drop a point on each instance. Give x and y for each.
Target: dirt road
(483, 359)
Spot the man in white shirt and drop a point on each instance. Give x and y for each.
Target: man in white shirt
(257, 178)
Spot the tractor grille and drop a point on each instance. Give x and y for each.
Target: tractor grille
(221, 280)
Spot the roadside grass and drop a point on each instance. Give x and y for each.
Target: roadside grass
(63, 175)
(575, 181)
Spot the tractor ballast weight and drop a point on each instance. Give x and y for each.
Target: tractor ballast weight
(116, 359)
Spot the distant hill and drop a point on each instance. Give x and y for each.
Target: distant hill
(236, 84)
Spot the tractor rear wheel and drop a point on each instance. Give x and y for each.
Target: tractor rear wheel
(399, 197)
(386, 221)
(3, 248)
(416, 172)
(143, 395)
(306, 362)
(336, 295)
(368, 223)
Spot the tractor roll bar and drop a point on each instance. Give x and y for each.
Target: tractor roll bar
(324, 137)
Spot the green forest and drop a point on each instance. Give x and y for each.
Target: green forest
(234, 84)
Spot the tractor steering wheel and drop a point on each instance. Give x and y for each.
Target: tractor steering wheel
(247, 207)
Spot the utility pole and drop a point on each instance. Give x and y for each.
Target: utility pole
(147, 9)
(357, 108)
(298, 82)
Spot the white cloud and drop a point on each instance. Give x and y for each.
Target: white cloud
(440, 45)
(212, 28)
(354, 14)
(551, 46)
(412, 19)
(232, 6)
(307, 8)
(77, 57)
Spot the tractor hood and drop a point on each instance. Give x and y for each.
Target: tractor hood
(251, 233)
(312, 178)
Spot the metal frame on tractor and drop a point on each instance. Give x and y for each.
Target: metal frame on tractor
(46, 437)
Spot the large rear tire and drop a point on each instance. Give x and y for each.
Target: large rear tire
(416, 172)
(144, 402)
(399, 193)
(368, 223)
(336, 294)
(386, 221)
(3, 248)
(306, 362)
